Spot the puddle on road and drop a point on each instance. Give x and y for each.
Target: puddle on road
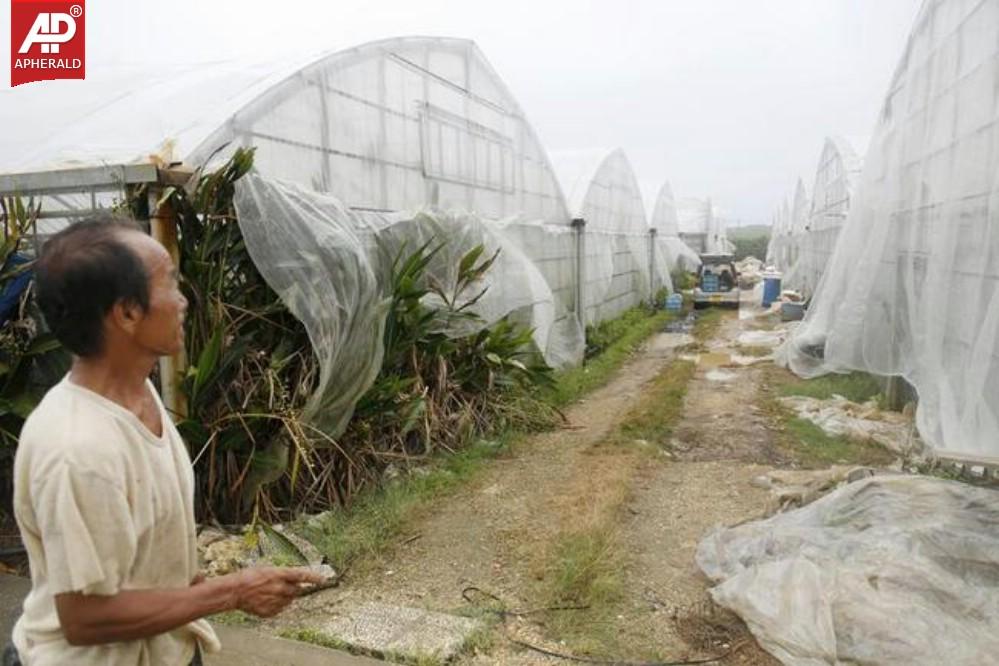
(670, 341)
(685, 325)
(760, 338)
(715, 360)
(740, 360)
(720, 376)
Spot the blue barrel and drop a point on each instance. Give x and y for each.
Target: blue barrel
(771, 288)
(674, 303)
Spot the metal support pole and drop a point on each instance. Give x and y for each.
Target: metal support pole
(899, 393)
(652, 266)
(163, 227)
(579, 226)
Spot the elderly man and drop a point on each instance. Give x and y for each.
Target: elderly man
(103, 487)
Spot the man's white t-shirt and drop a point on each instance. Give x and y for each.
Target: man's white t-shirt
(103, 506)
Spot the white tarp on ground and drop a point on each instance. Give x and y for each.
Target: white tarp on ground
(892, 570)
(911, 287)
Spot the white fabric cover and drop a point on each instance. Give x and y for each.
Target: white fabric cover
(891, 570)
(331, 267)
(701, 227)
(911, 287)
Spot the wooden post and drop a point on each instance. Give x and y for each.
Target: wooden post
(163, 227)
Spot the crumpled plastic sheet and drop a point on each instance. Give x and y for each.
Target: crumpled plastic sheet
(893, 570)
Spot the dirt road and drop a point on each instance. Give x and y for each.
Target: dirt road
(653, 503)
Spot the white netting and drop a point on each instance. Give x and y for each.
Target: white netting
(331, 267)
(911, 287)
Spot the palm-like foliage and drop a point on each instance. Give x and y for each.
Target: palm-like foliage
(252, 370)
(31, 359)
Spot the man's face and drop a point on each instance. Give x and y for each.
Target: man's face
(160, 330)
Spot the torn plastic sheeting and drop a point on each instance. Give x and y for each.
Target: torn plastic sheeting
(331, 267)
(891, 570)
(308, 249)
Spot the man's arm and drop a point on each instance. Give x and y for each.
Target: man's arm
(135, 614)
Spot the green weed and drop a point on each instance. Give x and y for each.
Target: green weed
(660, 407)
(629, 332)
(857, 386)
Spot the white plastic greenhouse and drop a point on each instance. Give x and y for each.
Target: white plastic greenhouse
(911, 287)
(397, 141)
(666, 222)
(701, 228)
(602, 191)
(801, 244)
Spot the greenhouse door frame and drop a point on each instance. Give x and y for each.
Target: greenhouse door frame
(110, 179)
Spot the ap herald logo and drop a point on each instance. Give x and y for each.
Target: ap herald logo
(46, 40)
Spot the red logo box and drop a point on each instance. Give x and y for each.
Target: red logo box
(47, 40)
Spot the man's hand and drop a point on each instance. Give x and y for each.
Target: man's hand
(266, 591)
(134, 614)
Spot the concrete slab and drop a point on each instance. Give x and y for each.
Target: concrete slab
(245, 647)
(408, 632)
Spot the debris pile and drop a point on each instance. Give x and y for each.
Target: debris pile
(840, 417)
(791, 489)
(223, 553)
(750, 272)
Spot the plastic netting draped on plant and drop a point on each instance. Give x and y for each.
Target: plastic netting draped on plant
(360, 345)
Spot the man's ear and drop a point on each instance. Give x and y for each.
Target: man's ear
(126, 315)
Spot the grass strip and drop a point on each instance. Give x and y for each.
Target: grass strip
(660, 408)
(806, 442)
(857, 387)
(573, 384)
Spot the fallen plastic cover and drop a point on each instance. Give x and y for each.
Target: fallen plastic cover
(332, 266)
(887, 570)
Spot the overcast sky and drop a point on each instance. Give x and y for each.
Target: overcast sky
(725, 98)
